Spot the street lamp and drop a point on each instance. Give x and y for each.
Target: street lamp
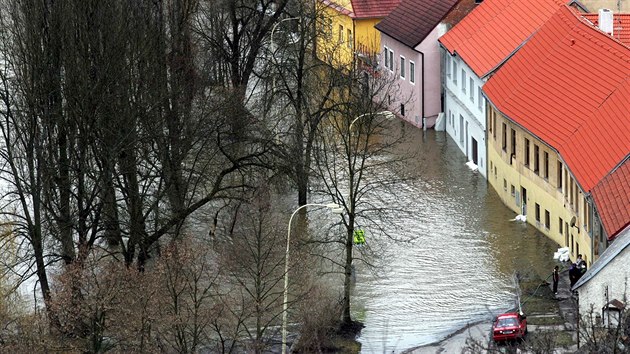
(387, 114)
(334, 208)
(273, 49)
(276, 25)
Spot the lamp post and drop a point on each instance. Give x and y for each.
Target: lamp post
(333, 208)
(387, 114)
(273, 30)
(273, 49)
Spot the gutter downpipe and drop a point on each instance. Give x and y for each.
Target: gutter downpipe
(424, 126)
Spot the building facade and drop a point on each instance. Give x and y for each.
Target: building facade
(473, 50)
(531, 178)
(550, 144)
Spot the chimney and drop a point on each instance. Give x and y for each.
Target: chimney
(605, 21)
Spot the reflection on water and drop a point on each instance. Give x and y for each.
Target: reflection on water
(458, 266)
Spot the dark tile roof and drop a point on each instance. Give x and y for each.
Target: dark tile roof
(373, 8)
(413, 20)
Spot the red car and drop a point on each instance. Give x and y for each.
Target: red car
(509, 326)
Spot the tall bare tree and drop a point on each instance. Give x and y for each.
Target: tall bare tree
(111, 138)
(356, 160)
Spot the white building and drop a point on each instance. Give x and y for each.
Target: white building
(605, 288)
(473, 50)
(465, 110)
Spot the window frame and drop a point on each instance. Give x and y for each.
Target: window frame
(448, 65)
(402, 67)
(536, 159)
(463, 80)
(471, 87)
(391, 60)
(479, 98)
(340, 38)
(386, 55)
(349, 39)
(454, 71)
(412, 72)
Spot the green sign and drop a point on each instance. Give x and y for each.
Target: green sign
(359, 237)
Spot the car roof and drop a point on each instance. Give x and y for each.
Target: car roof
(508, 315)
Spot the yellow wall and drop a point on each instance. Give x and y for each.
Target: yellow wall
(333, 44)
(368, 39)
(561, 198)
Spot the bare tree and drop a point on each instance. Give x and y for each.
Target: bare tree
(356, 162)
(110, 138)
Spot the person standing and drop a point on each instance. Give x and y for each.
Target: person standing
(556, 277)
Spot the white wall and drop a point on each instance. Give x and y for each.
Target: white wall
(615, 275)
(472, 111)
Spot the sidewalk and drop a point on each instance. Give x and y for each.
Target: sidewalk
(480, 332)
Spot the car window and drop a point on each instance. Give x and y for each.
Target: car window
(507, 322)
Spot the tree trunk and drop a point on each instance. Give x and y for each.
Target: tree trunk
(346, 320)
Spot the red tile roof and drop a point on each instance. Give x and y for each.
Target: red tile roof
(413, 20)
(612, 199)
(569, 85)
(373, 8)
(621, 26)
(493, 30)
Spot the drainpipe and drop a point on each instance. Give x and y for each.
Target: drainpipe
(424, 127)
(355, 53)
(591, 216)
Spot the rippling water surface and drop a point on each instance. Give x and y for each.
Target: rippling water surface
(458, 264)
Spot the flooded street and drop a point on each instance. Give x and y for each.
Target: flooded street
(457, 267)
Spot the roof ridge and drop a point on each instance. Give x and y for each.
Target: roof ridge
(547, 53)
(596, 28)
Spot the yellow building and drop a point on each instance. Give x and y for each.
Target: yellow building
(556, 132)
(347, 30)
(532, 179)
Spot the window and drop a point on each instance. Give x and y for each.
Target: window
(577, 248)
(504, 184)
(513, 190)
(471, 88)
(349, 42)
(546, 165)
(386, 55)
(536, 158)
(547, 219)
(391, 60)
(402, 67)
(504, 138)
(340, 34)
(463, 81)
(412, 72)
(479, 99)
(537, 212)
(559, 176)
(448, 65)
(526, 157)
(494, 123)
(490, 125)
(402, 109)
(454, 71)
(513, 143)
(329, 35)
(560, 225)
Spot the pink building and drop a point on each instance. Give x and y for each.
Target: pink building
(411, 54)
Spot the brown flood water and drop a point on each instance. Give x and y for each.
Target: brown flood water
(457, 267)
